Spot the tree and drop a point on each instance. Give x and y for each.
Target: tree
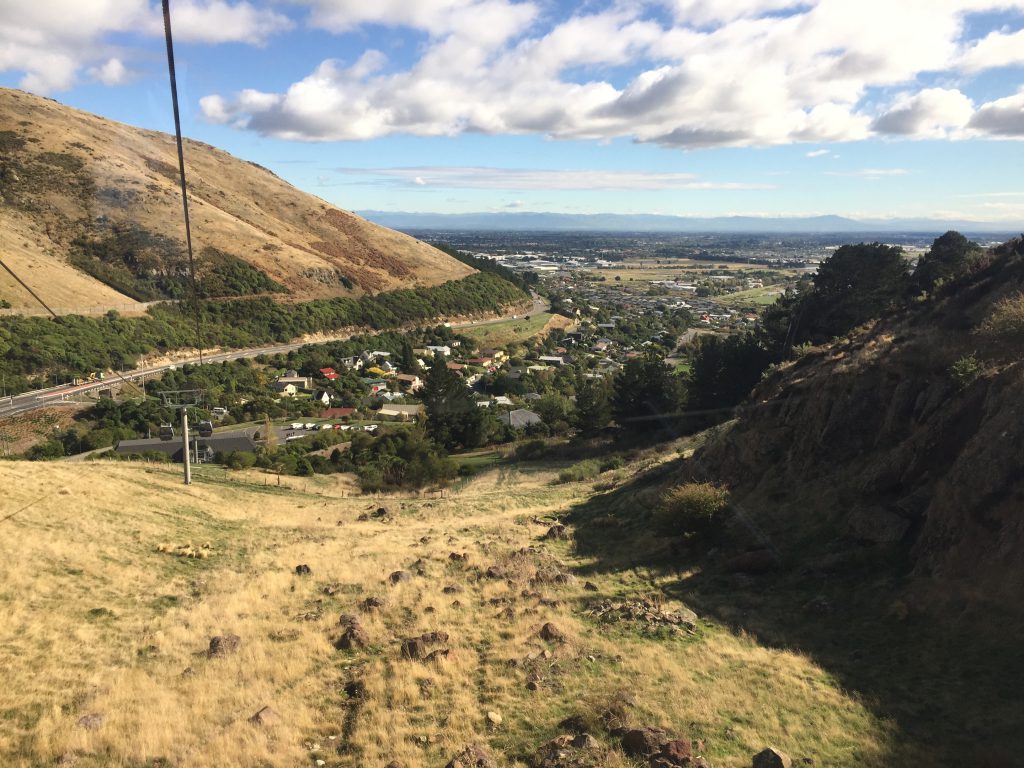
(593, 406)
(724, 370)
(453, 418)
(406, 358)
(856, 284)
(951, 256)
(646, 394)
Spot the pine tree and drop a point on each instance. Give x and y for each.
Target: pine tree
(453, 418)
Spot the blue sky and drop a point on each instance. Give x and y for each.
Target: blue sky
(868, 108)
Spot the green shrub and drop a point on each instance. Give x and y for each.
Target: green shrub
(690, 509)
(1006, 320)
(965, 370)
(531, 450)
(583, 470)
(610, 463)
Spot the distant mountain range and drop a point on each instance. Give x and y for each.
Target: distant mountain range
(616, 222)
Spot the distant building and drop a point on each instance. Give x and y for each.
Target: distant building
(225, 442)
(337, 413)
(400, 412)
(520, 418)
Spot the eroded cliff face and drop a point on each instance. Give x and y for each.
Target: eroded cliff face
(874, 442)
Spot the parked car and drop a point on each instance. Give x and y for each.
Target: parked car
(370, 428)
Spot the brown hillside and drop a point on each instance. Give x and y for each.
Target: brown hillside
(887, 440)
(68, 177)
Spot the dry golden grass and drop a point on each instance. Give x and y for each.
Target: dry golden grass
(296, 238)
(99, 620)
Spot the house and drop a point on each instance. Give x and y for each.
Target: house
(285, 389)
(437, 349)
(337, 413)
(225, 442)
(375, 385)
(302, 383)
(533, 396)
(552, 359)
(351, 363)
(322, 396)
(483, 362)
(329, 373)
(387, 367)
(380, 355)
(390, 396)
(457, 367)
(520, 418)
(409, 381)
(497, 355)
(400, 412)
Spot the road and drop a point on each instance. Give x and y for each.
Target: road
(42, 398)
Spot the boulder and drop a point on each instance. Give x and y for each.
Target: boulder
(494, 719)
(772, 758)
(584, 741)
(552, 634)
(677, 751)
(399, 576)
(223, 645)
(643, 742)
(303, 570)
(590, 586)
(472, 756)
(353, 635)
(453, 589)
(373, 603)
(440, 653)
(414, 648)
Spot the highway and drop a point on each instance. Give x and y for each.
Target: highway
(42, 398)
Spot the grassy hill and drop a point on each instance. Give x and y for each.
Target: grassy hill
(90, 216)
(108, 627)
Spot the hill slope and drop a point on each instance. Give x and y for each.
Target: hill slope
(106, 633)
(90, 215)
(906, 436)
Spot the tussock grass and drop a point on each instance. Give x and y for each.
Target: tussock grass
(100, 621)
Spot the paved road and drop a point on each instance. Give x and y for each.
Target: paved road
(42, 398)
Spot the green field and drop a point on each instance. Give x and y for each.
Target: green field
(507, 331)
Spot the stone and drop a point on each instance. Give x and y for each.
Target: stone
(353, 634)
(381, 512)
(373, 603)
(551, 633)
(399, 576)
(677, 751)
(585, 741)
(772, 758)
(266, 716)
(458, 557)
(453, 589)
(495, 572)
(441, 653)
(494, 719)
(223, 645)
(507, 614)
(590, 586)
(355, 689)
(643, 742)
(472, 756)
(414, 648)
(90, 722)
(303, 570)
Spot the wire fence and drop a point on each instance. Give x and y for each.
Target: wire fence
(94, 311)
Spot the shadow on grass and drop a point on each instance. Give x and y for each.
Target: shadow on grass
(951, 678)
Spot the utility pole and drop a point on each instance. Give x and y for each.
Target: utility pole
(186, 448)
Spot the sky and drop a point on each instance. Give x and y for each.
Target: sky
(862, 108)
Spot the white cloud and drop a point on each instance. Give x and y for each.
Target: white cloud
(870, 173)
(724, 73)
(52, 41)
(997, 49)
(932, 113)
(112, 72)
(469, 177)
(818, 153)
(1003, 117)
